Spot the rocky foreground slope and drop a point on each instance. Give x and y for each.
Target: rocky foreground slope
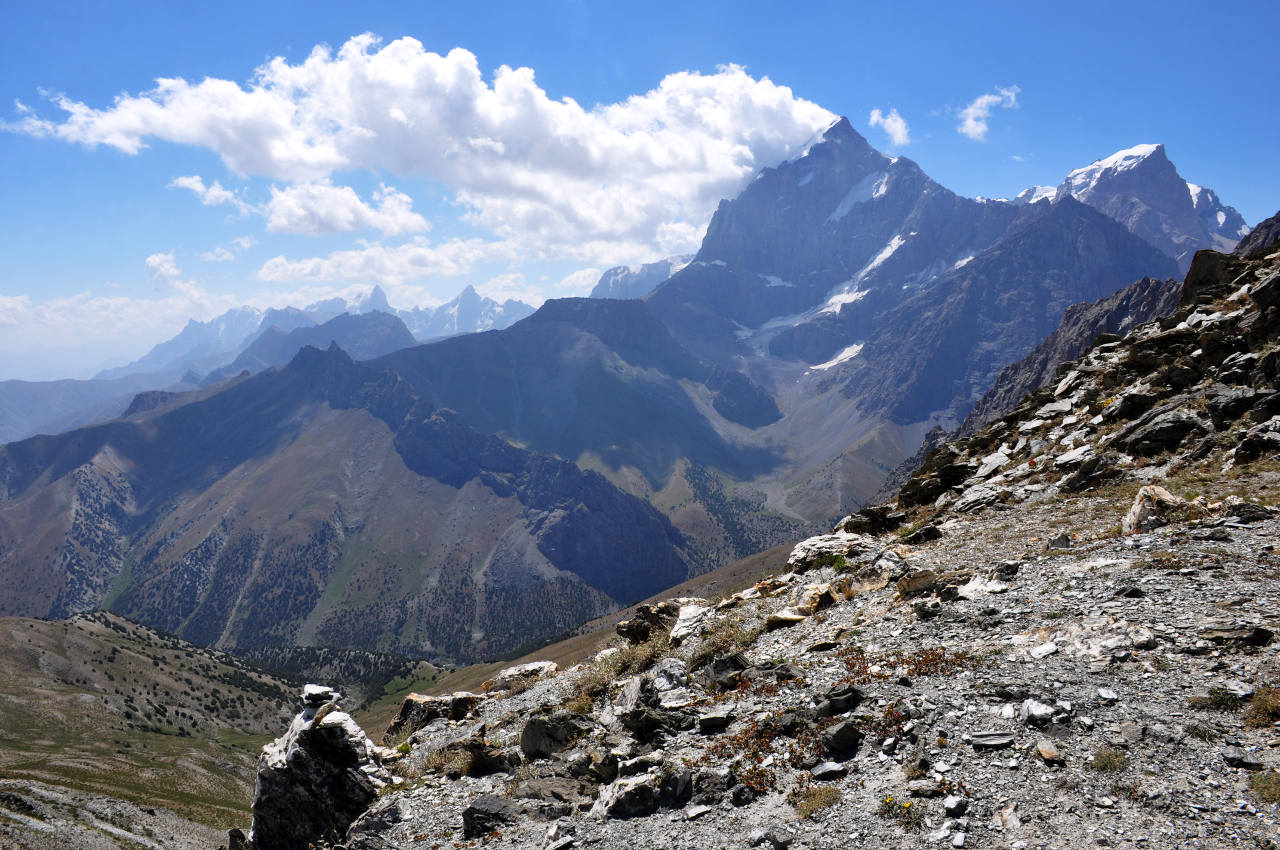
(1062, 632)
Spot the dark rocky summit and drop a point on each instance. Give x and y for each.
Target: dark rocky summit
(1083, 647)
(1261, 240)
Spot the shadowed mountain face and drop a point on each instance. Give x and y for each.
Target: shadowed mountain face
(603, 383)
(322, 503)
(1081, 324)
(942, 348)
(842, 225)
(591, 375)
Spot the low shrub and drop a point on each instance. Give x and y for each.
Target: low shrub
(1108, 760)
(905, 812)
(1267, 786)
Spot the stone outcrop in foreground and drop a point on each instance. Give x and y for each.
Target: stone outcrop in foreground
(315, 779)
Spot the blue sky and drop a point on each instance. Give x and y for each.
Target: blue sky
(395, 161)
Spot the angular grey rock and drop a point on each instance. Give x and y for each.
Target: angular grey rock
(955, 805)
(521, 674)
(838, 699)
(716, 720)
(1043, 650)
(486, 814)
(843, 739)
(631, 796)
(1150, 507)
(1035, 713)
(829, 771)
(1237, 757)
(927, 788)
(923, 534)
(316, 779)
(419, 710)
(689, 623)
(546, 734)
(992, 740)
(823, 549)
(1161, 433)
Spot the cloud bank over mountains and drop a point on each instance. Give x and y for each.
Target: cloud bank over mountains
(529, 178)
(605, 183)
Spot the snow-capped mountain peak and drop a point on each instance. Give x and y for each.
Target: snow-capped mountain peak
(1140, 188)
(1032, 194)
(1084, 180)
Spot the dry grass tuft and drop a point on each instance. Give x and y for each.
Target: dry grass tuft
(1264, 708)
(1108, 760)
(1267, 786)
(809, 801)
(727, 635)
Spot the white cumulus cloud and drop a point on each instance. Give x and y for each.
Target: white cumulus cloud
(580, 282)
(973, 118)
(893, 124)
(614, 182)
(321, 207)
(211, 195)
(163, 267)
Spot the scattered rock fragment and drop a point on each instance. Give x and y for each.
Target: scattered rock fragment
(1049, 752)
(1149, 509)
(1043, 650)
(485, 815)
(992, 740)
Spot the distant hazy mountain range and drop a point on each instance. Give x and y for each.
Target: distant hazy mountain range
(243, 338)
(637, 281)
(461, 498)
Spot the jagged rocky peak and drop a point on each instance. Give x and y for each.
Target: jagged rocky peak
(1035, 194)
(1140, 188)
(811, 188)
(1146, 157)
(375, 300)
(467, 312)
(1222, 222)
